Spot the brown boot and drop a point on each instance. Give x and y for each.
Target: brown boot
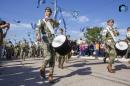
(42, 73)
(59, 66)
(62, 66)
(129, 61)
(50, 77)
(109, 68)
(104, 59)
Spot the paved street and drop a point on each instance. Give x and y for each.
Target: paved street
(77, 72)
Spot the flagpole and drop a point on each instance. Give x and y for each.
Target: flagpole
(55, 9)
(55, 14)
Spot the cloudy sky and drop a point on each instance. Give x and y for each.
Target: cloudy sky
(90, 13)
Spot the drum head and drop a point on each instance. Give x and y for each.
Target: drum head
(122, 45)
(58, 41)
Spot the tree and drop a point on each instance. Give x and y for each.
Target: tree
(93, 34)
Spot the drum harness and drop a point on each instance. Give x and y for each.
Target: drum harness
(49, 26)
(114, 38)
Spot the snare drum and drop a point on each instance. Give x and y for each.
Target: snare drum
(121, 48)
(61, 45)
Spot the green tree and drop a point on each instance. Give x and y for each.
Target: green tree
(93, 34)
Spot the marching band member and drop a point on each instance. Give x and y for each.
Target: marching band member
(109, 34)
(61, 58)
(128, 41)
(45, 33)
(6, 26)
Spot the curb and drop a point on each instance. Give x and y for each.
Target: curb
(101, 58)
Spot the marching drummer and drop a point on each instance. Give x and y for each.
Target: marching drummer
(61, 58)
(45, 27)
(128, 41)
(109, 40)
(68, 56)
(6, 26)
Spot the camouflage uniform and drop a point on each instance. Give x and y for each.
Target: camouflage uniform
(32, 50)
(9, 50)
(1, 41)
(17, 50)
(68, 56)
(110, 45)
(62, 59)
(43, 32)
(128, 51)
(40, 50)
(24, 50)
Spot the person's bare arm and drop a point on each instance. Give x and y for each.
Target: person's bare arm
(4, 26)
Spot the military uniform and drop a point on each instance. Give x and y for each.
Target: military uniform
(17, 50)
(9, 50)
(44, 34)
(24, 50)
(128, 51)
(1, 41)
(128, 41)
(32, 50)
(109, 36)
(68, 56)
(40, 50)
(110, 44)
(62, 59)
(3, 25)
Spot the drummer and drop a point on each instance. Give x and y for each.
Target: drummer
(68, 56)
(45, 28)
(3, 26)
(128, 41)
(109, 43)
(61, 58)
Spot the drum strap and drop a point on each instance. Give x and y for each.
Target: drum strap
(48, 24)
(114, 38)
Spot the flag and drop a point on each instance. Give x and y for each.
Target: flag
(33, 26)
(75, 14)
(63, 19)
(0, 19)
(55, 9)
(40, 2)
(82, 29)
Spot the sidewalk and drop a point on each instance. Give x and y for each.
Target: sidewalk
(101, 58)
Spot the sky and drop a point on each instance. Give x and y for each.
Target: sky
(90, 13)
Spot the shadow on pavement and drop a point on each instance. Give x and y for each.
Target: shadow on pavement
(81, 71)
(121, 66)
(21, 76)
